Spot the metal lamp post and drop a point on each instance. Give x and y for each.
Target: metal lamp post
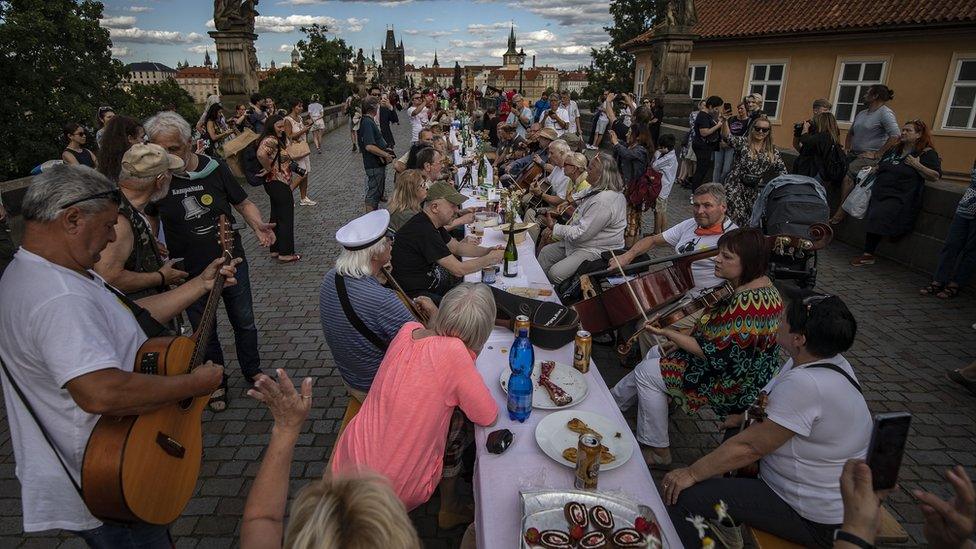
(521, 61)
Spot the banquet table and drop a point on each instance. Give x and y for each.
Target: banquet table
(498, 479)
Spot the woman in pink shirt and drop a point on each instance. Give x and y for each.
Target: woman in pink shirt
(406, 422)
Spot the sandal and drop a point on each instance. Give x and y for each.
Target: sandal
(218, 399)
(948, 292)
(290, 259)
(863, 259)
(932, 289)
(957, 377)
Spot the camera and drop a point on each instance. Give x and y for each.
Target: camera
(798, 128)
(297, 170)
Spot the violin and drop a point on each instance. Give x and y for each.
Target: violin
(617, 306)
(675, 313)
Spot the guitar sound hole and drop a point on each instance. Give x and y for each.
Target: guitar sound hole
(185, 404)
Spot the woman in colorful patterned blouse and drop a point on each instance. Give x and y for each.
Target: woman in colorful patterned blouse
(727, 359)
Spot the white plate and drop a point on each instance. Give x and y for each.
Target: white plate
(553, 436)
(543, 510)
(567, 377)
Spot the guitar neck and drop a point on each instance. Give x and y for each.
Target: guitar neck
(207, 322)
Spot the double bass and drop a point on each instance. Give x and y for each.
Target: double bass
(601, 310)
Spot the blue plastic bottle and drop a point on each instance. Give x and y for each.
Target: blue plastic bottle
(521, 359)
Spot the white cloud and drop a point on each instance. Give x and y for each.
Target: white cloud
(490, 28)
(567, 12)
(285, 48)
(201, 48)
(411, 32)
(395, 3)
(428, 20)
(140, 9)
(537, 36)
(142, 36)
(292, 23)
(120, 52)
(355, 25)
(118, 22)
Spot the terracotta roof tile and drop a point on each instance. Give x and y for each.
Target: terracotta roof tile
(718, 19)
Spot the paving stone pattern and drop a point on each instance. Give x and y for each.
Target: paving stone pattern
(904, 345)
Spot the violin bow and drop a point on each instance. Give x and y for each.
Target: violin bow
(633, 295)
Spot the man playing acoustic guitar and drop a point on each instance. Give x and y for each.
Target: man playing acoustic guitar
(69, 344)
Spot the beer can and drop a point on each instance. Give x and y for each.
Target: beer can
(582, 351)
(521, 323)
(488, 274)
(587, 462)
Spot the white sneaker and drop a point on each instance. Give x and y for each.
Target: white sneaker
(307, 202)
(591, 147)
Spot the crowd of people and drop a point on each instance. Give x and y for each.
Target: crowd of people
(120, 245)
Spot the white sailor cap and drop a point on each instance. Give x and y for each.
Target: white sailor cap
(364, 231)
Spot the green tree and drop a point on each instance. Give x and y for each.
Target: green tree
(613, 68)
(287, 83)
(326, 61)
(58, 68)
(145, 100)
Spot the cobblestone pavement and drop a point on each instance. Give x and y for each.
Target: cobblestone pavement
(904, 345)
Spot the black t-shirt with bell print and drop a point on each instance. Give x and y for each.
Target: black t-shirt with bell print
(190, 210)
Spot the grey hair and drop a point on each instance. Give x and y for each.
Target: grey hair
(62, 184)
(717, 190)
(166, 121)
(467, 312)
(610, 179)
(560, 145)
(357, 263)
(370, 105)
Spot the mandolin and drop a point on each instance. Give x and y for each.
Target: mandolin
(145, 468)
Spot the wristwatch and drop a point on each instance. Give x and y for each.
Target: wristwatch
(840, 535)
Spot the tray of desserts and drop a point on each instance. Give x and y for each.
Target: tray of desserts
(561, 519)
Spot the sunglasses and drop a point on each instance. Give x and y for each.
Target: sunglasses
(115, 195)
(757, 129)
(79, 134)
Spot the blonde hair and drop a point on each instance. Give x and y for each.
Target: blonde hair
(768, 148)
(467, 312)
(405, 196)
(826, 123)
(351, 512)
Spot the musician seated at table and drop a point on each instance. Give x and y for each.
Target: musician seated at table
(510, 146)
(729, 355)
(423, 259)
(574, 166)
(427, 385)
(702, 231)
(543, 138)
(597, 227)
(816, 420)
(69, 344)
(359, 316)
(408, 161)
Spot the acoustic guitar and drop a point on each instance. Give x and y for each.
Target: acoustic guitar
(145, 468)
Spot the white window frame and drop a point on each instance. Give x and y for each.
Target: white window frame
(639, 84)
(949, 91)
(782, 83)
(885, 61)
(704, 83)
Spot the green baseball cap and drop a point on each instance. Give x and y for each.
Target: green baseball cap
(446, 191)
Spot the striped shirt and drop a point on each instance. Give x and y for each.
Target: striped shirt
(378, 308)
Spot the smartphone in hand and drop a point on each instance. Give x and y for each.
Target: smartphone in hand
(887, 447)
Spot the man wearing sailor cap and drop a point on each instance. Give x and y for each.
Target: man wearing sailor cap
(359, 315)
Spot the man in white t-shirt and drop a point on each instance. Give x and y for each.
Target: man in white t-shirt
(69, 343)
(520, 115)
(573, 114)
(557, 118)
(816, 420)
(698, 233)
(419, 112)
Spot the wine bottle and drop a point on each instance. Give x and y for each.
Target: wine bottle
(510, 268)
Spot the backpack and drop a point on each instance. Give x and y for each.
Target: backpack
(250, 165)
(834, 165)
(792, 209)
(642, 192)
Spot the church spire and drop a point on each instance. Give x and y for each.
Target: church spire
(511, 41)
(436, 64)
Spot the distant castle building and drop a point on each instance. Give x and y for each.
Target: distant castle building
(392, 71)
(294, 58)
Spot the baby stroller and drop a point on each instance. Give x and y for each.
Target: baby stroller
(790, 204)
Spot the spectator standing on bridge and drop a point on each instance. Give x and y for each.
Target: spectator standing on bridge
(120, 134)
(376, 154)
(957, 260)
(317, 113)
(74, 151)
(896, 196)
(298, 133)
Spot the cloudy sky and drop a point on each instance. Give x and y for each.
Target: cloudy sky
(559, 33)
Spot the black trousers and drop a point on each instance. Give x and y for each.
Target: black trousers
(703, 165)
(751, 501)
(283, 216)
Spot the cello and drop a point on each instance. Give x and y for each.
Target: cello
(622, 304)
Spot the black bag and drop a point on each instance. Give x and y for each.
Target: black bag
(552, 324)
(833, 167)
(251, 166)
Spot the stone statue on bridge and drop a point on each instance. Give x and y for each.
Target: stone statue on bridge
(235, 15)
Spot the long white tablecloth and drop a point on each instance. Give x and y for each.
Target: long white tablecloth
(498, 479)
